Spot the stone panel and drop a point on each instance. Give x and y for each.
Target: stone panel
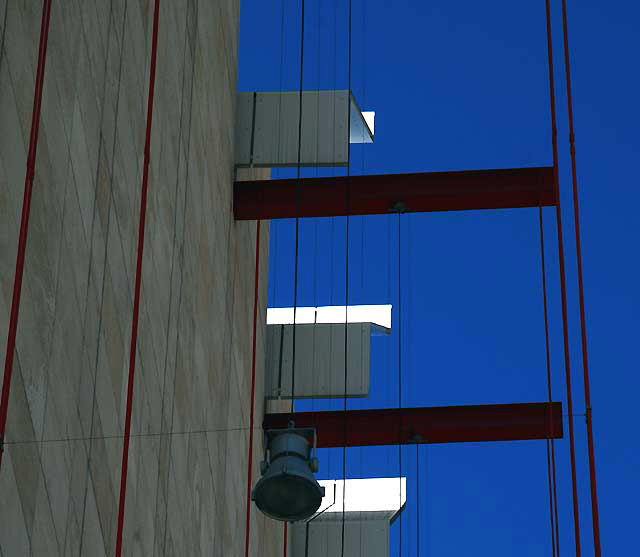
(187, 476)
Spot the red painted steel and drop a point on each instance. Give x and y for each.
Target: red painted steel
(595, 514)
(285, 539)
(138, 280)
(385, 193)
(563, 282)
(446, 424)
(253, 390)
(24, 220)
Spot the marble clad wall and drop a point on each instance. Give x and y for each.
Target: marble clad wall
(60, 475)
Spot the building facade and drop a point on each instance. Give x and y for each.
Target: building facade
(186, 492)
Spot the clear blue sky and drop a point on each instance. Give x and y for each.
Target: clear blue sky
(463, 85)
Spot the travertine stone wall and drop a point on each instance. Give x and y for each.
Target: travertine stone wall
(60, 476)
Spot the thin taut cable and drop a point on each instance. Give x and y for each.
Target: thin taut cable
(595, 515)
(295, 288)
(346, 301)
(551, 452)
(297, 235)
(563, 284)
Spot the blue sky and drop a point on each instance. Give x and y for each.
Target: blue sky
(463, 85)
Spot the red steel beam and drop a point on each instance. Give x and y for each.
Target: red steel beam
(444, 424)
(385, 193)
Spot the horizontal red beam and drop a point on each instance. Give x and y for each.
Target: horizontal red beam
(445, 424)
(394, 193)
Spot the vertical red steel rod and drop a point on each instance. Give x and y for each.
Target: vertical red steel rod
(595, 515)
(253, 390)
(24, 220)
(563, 284)
(136, 295)
(284, 543)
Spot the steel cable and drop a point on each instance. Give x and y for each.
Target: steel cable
(346, 303)
(595, 515)
(551, 455)
(297, 226)
(563, 285)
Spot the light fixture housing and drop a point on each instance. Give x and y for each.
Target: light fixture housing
(288, 490)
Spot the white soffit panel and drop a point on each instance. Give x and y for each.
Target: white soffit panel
(360, 130)
(364, 495)
(376, 314)
(370, 119)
